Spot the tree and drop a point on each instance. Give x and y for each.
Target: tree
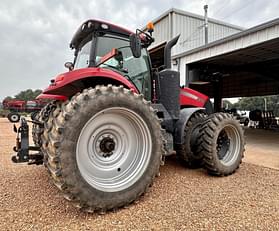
(8, 98)
(258, 102)
(227, 104)
(28, 94)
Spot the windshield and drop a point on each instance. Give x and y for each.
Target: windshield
(134, 69)
(83, 56)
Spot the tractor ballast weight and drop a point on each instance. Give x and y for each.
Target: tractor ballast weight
(113, 118)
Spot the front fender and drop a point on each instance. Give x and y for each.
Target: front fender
(185, 115)
(52, 97)
(71, 82)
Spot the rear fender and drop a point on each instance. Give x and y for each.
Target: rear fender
(185, 115)
(190, 97)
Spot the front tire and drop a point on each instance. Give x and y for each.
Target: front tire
(222, 144)
(42, 117)
(104, 148)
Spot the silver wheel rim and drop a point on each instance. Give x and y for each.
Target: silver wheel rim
(115, 170)
(232, 151)
(14, 117)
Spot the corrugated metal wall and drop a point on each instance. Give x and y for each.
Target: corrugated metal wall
(217, 31)
(191, 31)
(162, 31)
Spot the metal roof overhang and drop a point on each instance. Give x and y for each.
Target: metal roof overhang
(252, 71)
(248, 62)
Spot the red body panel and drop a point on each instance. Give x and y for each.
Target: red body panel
(114, 27)
(23, 106)
(190, 97)
(64, 84)
(124, 30)
(53, 97)
(14, 104)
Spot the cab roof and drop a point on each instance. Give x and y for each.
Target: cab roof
(91, 25)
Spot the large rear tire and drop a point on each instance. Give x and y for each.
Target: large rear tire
(187, 153)
(222, 144)
(103, 147)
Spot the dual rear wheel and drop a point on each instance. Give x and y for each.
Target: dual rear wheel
(218, 143)
(221, 144)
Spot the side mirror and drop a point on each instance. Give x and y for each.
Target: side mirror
(135, 44)
(69, 65)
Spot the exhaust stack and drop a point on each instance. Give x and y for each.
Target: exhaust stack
(167, 52)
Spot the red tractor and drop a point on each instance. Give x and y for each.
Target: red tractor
(114, 118)
(16, 106)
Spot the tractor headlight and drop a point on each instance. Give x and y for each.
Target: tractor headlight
(104, 26)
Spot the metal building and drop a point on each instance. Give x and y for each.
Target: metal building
(191, 29)
(235, 62)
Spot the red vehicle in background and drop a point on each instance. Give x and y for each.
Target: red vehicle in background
(16, 106)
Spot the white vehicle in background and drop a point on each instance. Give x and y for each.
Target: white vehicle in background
(241, 116)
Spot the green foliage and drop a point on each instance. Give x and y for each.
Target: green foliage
(28, 94)
(258, 102)
(227, 104)
(4, 113)
(8, 98)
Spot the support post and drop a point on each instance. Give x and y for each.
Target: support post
(187, 76)
(217, 87)
(265, 104)
(205, 24)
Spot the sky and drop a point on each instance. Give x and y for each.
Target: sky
(35, 34)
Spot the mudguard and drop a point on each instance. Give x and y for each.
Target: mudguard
(189, 96)
(69, 83)
(52, 97)
(185, 115)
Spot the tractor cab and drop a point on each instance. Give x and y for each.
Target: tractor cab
(104, 45)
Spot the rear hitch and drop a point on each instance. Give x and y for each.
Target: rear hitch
(22, 146)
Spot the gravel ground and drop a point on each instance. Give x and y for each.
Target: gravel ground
(180, 199)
